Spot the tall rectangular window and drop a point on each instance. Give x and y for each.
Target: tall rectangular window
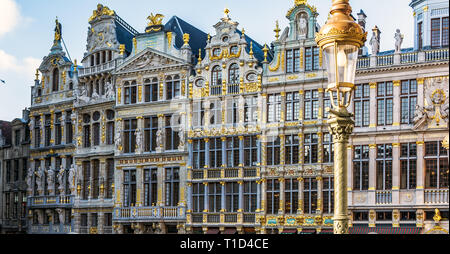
(408, 98)
(310, 144)
(215, 153)
(251, 109)
(151, 90)
(214, 197)
(150, 129)
(291, 196)
(362, 105)
(37, 131)
(198, 114)
(231, 196)
(232, 111)
(173, 87)
(232, 151)
(310, 195)
(420, 35)
(95, 178)
(328, 148)
(17, 137)
(292, 149)
(436, 166)
(250, 194)
(129, 187)
(96, 133)
(86, 179)
(150, 187)
(408, 166)
(172, 137)
(292, 106)
(385, 103)
(311, 59)
(445, 32)
(311, 104)
(361, 168)
(198, 197)
(69, 128)
(172, 186)
(198, 160)
(130, 92)
(250, 151)
(58, 130)
(129, 136)
(436, 32)
(109, 178)
(273, 196)
(273, 151)
(384, 167)
(293, 60)
(47, 130)
(274, 108)
(328, 195)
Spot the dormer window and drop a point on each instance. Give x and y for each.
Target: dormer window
(225, 39)
(234, 50)
(216, 52)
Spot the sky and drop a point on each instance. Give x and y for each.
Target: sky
(26, 29)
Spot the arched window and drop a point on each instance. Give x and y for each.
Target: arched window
(233, 74)
(55, 84)
(151, 90)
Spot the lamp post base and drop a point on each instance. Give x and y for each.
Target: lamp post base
(341, 126)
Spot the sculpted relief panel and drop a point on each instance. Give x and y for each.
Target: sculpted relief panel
(435, 111)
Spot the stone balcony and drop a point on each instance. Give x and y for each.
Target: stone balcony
(413, 57)
(152, 213)
(221, 218)
(51, 228)
(99, 69)
(51, 201)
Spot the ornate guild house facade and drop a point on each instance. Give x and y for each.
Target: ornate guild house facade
(172, 130)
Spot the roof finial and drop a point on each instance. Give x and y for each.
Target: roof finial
(277, 30)
(199, 56)
(265, 50)
(226, 13)
(251, 48)
(37, 74)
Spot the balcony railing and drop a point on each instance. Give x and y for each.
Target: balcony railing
(432, 55)
(52, 201)
(383, 197)
(214, 174)
(436, 196)
(105, 67)
(143, 213)
(51, 229)
(224, 218)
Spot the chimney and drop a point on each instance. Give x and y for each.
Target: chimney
(26, 115)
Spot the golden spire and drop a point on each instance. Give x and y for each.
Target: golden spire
(243, 32)
(199, 56)
(209, 37)
(37, 74)
(251, 48)
(277, 30)
(265, 50)
(122, 49)
(226, 13)
(75, 65)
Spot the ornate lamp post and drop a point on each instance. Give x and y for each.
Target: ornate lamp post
(340, 39)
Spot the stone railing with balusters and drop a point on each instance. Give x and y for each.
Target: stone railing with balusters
(223, 218)
(105, 67)
(432, 55)
(436, 196)
(156, 212)
(51, 201)
(51, 228)
(383, 197)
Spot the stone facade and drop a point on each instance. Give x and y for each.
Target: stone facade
(176, 131)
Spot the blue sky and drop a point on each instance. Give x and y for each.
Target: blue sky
(26, 29)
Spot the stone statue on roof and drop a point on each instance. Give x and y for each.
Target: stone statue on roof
(375, 41)
(398, 41)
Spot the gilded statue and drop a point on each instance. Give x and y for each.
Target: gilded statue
(155, 20)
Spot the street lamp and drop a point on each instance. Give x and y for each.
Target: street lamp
(340, 39)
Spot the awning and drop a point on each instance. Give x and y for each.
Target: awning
(229, 231)
(326, 231)
(384, 230)
(308, 231)
(289, 231)
(212, 231)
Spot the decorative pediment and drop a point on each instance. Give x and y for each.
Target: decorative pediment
(149, 59)
(102, 35)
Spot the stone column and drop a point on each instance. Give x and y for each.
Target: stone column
(321, 106)
(100, 222)
(206, 197)
(241, 196)
(91, 179)
(282, 196)
(264, 195)
(350, 152)
(258, 153)
(301, 155)
(420, 91)
(302, 103)
(396, 120)
(320, 194)
(320, 147)
(420, 189)
(189, 197)
(207, 159)
(283, 107)
(373, 105)
(52, 127)
(63, 125)
(102, 176)
(300, 195)
(139, 185)
(241, 151)
(41, 129)
(258, 195)
(222, 197)
(161, 191)
(372, 173)
(224, 152)
(396, 173)
(282, 150)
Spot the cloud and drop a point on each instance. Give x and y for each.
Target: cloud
(26, 66)
(9, 16)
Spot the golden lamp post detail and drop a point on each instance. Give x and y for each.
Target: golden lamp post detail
(340, 39)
